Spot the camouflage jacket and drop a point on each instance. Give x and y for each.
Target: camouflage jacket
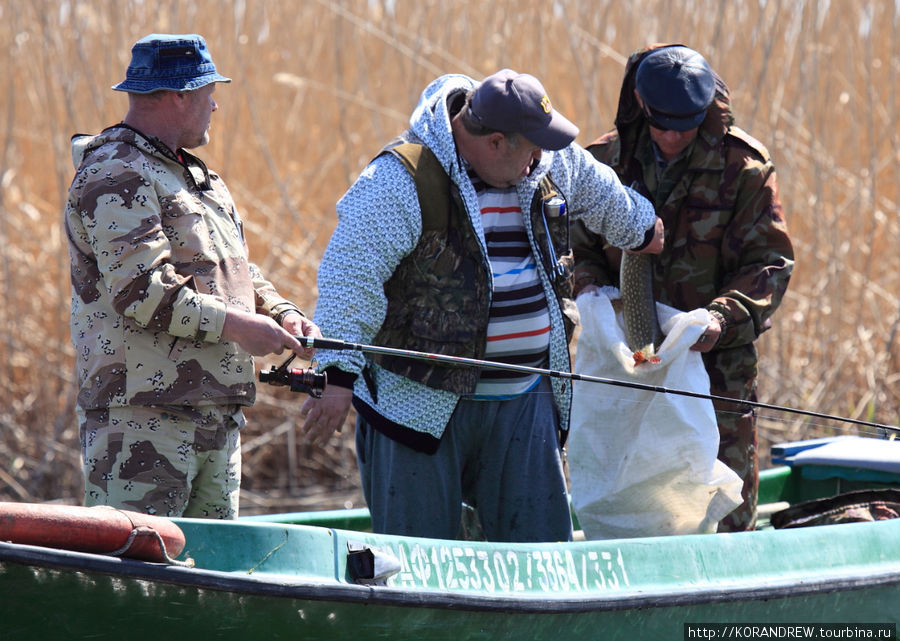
(726, 242)
(157, 253)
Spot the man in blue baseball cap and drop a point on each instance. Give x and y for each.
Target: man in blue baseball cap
(726, 244)
(455, 240)
(167, 310)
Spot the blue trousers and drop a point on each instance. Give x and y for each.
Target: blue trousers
(502, 457)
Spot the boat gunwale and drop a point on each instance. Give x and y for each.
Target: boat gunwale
(330, 589)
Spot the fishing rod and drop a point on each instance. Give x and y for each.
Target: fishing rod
(336, 344)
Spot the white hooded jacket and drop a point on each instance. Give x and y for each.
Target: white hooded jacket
(379, 223)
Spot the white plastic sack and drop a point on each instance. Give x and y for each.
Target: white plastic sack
(643, 463)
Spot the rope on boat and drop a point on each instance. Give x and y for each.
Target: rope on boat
(336, 344)
(143, 530)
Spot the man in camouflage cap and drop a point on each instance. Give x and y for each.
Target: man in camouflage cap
(726, 244)
(167, 310)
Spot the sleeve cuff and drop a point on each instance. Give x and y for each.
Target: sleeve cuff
(340, 378)
(648, 236)
(280, 311)
(212, 319)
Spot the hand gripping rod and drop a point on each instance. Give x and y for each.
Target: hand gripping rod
(336, 344)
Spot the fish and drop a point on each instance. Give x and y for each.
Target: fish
(643, 334)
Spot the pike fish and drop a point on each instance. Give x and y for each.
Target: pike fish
(642, 331)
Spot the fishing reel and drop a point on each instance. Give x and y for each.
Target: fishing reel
(306, 381)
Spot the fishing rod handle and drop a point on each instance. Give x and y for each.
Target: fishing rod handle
(324, 343)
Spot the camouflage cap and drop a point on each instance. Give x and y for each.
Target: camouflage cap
(172, 62)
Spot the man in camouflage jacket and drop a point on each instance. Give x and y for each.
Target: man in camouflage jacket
(167, 310)
(726, 244)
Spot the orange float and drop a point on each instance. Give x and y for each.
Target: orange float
(99, 530)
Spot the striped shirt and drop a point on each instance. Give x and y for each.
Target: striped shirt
(519, 326)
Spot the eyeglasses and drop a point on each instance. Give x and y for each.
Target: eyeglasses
(653, 122)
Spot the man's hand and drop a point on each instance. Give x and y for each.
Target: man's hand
(709, 337)
(655, 245)
(325, 415)
(589, 289)
(259, 335)
(298, 325)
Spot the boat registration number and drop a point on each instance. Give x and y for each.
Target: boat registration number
(461, 567)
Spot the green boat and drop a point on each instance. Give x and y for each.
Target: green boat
(321, 575)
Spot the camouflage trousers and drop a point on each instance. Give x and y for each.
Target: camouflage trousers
(737, 449)
(168, 461)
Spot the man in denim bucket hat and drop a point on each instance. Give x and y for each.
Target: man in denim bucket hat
(167, 309)
(169, 62)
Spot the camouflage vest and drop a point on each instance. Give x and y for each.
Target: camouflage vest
(439, 295)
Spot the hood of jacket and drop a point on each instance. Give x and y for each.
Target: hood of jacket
(83, 145)
(630, 118)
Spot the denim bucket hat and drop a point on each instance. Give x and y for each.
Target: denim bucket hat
(676, 85)
(172, 62)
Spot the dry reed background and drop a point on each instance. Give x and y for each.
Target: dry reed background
(319, 85)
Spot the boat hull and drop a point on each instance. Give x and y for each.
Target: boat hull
(135, 607)
(108, 598)
(288, 577)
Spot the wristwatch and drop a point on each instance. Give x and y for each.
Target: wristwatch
(720, 317)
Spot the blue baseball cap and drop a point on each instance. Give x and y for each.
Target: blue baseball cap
(517, 103)
(676, 85)
(171, 62)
